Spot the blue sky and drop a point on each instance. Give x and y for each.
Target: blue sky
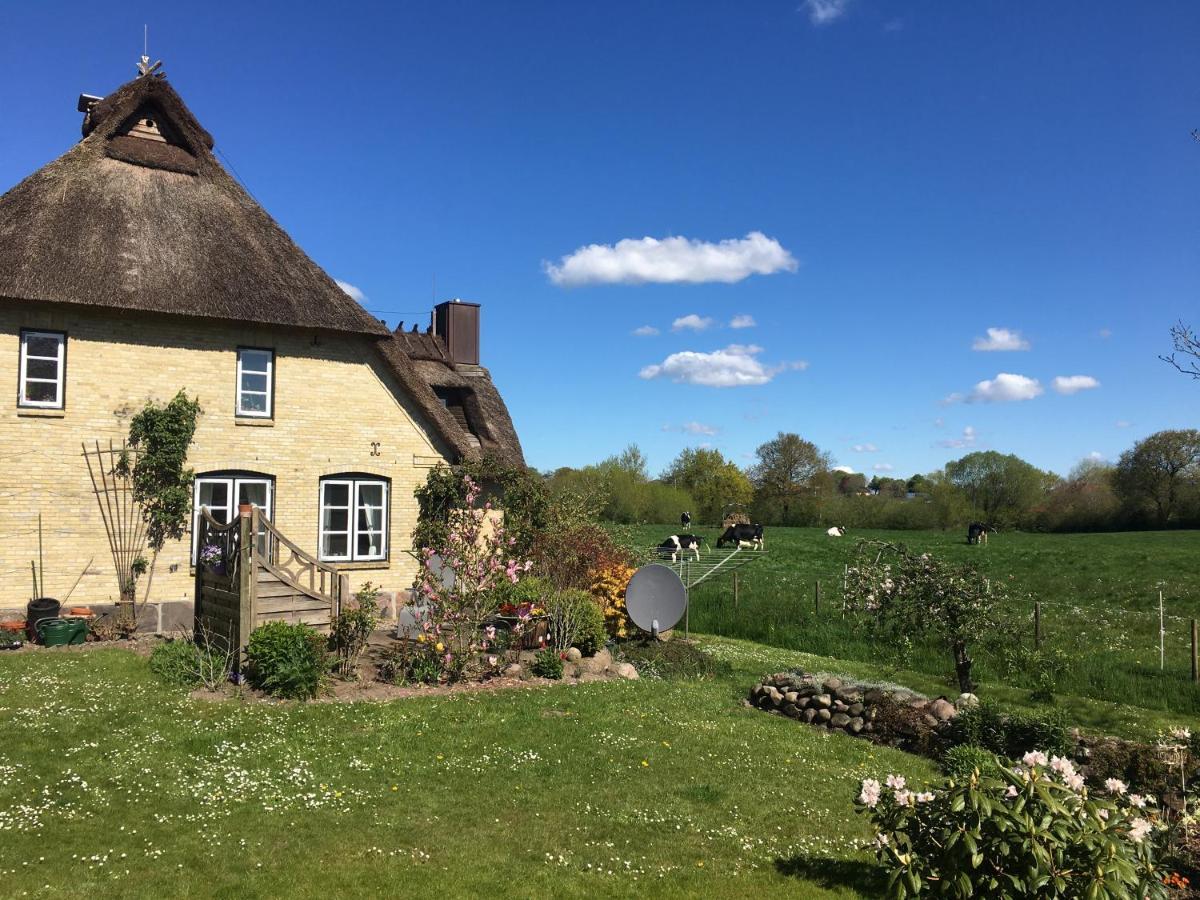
(911, 175)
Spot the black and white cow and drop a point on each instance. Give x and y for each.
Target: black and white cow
(678, 543)
(977, 533)
(686, 520)
(742, 536)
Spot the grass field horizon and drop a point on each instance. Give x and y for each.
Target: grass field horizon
(1098, 591)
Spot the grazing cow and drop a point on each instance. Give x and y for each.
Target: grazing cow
(686, 520)
(678, 543)
(977, 533)
(835, 531)
(742, 536)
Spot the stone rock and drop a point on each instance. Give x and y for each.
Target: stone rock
(831, 684)
(808, 690)
(839, 720)
(848, 693)
(574, 655)
(868, 727)
(603, 657)
(810, 714)
(931, 721)
(823, 715)
(570, 670)
(966, 701)
(792, 710)
(873, 695)
(595, 664)
(791, 696)
(803, 702)
(855, 725)
(627, 670)
(855, 709)
(824, 701)
(513, 670)
(839, 706)
(589, 677)
(943, 709)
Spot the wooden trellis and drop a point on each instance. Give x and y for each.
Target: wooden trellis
(124, 523)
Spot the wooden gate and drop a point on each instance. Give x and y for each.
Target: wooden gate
(254, 575)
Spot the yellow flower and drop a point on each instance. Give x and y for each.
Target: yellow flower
(439, 647)
(645, 763)
(420, 638)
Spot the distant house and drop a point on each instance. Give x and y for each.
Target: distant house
(134, 266)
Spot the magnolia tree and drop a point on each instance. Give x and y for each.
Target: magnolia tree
(1034, 830)
(907, 595)
(457, 609)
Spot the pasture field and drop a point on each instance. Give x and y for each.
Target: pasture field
(1099, 596)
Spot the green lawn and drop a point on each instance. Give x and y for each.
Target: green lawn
(113, 783)
(1099, 595)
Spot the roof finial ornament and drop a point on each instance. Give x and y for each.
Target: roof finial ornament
(145, 67)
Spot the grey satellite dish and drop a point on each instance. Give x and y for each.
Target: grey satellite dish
(655, 598)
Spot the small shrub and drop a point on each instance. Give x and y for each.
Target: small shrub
(570, 557)
(959, 762)
(548, 664)
(1011, 734)
(1032, 832)
(899, 725)
(177, 663)
(351, 629)
(671, 659)
(575, 620)
(608, 587)
(288, 661)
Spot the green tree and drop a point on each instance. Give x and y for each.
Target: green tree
(712, 481)
(1160, 471)
(786, 468)
(1001, 487)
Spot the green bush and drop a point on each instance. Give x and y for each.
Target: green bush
(575, 620)
(288, 661)
(411, 662)
(959, 762)
(1011, 734)
(1036, 832)
(177, 662)
(548, 664)
(352, 627)
(671, 659)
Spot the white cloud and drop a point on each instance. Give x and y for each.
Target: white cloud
(742, 322)
(865, 448)
(1095, 456)
(1005, 388)
(939, 422)
(883, 467)
(1073, 384)
(1105, 332)
(967, 440)
(671, 260)
(951, 399)
(692, 322)
(645, 331)
(354, 292)
(1122, 423)
(734, 366)
(1001, 339)
(824, 12)
(846, 469)
(693, 428)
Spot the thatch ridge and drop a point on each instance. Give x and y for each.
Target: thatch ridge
(132, 224)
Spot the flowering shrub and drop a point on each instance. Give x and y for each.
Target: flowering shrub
(905, 595)
(210, 555)
(351, 628)
(570, 557)
(478, 550)
(608, 586)
(1034, 830)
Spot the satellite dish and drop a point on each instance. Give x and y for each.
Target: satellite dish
(655, 598)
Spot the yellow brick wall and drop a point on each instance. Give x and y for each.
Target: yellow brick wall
(334, 400)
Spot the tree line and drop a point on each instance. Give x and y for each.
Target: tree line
(1154, 484)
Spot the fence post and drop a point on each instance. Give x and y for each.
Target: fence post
(1195, 653)
(817, 597)
(1037, 625)
(246, 575)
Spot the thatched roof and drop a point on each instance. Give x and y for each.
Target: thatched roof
(157, 224)
(460, 401)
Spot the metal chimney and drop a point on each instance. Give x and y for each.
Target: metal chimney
(457, 323)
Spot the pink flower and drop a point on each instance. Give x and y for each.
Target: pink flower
(1114, 786)
(1011, 792)
(896, 782)
(1034, 758)
(870, 793)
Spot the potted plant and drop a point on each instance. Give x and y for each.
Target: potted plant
(212, 559)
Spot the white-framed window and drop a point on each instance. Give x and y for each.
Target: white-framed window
(221, 493)
(43, 369)
(255, 382)
(354, 519)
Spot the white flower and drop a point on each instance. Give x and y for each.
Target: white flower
(1138, 830)
(881, 840)
(905, 798)
(1012, 791)
(1137, 800)
(925, 797)
(1034, 758)
(1181, 734)
(1063, 766)
(1074, 781)
(1115, 786)
(896, 782)
(870, 793)
(1103, 814)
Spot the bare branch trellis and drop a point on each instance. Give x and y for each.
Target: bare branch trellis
(124, 523)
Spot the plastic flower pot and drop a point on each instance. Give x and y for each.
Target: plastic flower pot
(37, 611)
(56, 632)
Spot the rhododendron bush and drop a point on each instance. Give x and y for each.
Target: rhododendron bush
(1034, 830)
(455, 611)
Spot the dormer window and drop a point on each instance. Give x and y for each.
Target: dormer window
(255, 382)
(42, 369)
